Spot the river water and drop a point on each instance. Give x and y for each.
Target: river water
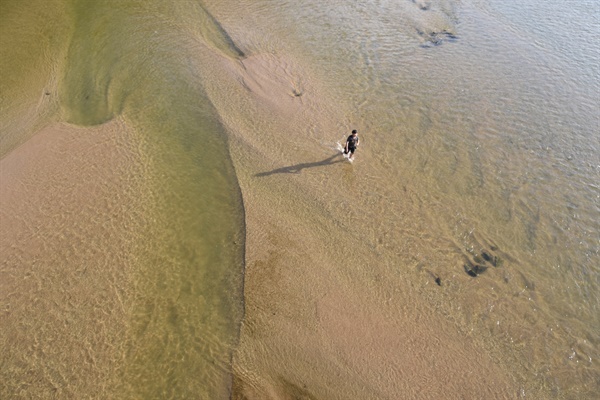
(479, 167)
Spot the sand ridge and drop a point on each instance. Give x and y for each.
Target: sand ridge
(320, 323)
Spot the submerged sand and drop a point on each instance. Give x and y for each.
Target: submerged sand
(66, 196)
(323, 319)
(320, 320)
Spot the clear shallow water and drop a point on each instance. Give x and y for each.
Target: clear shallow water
(483, 113)
(489, 111)
(146, 258)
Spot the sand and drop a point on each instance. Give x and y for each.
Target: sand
(321, 322)
(66, 243)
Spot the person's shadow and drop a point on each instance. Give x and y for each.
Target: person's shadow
(295, 169)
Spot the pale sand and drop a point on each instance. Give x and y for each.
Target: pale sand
(66, 239)
(321, 322)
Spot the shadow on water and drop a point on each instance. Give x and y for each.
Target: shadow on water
(296, 169)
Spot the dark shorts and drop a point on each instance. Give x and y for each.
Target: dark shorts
(351, 149)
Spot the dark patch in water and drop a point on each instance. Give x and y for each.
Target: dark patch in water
(435, 38)
(435, 277)
(492, 259)
(474, 270)
(423, 5)
(476, 264)
(480, 254)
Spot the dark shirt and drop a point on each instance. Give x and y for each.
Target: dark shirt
(352, 141)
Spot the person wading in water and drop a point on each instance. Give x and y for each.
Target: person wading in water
(351, 144)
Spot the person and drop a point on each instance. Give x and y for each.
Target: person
(351, 144)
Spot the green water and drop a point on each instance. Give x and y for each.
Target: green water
(137, 60)
(187, 304)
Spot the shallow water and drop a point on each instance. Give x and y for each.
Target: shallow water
(489, 112)
(152, 207)
(479, 127)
